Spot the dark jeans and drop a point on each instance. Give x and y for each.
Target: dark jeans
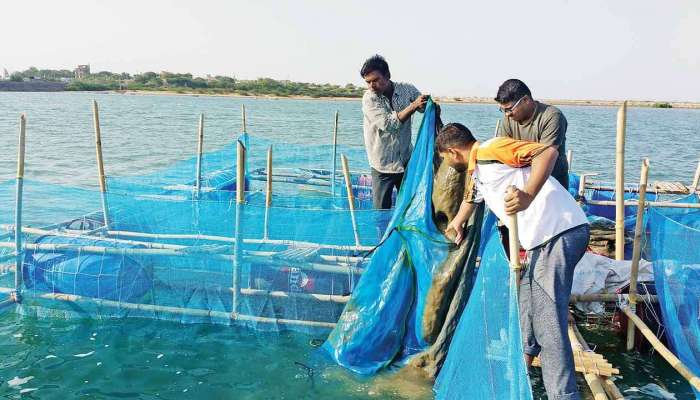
(382, 188)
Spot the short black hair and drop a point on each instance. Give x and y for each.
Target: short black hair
(375, 63)
(453, 135)
(512, 90)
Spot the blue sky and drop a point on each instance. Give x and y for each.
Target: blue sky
(594, 49)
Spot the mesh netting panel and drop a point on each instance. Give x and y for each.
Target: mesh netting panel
(485, 360)
(675, 234)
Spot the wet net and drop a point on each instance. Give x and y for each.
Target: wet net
(167, 245)
(675, 235)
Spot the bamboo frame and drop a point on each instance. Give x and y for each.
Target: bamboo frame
(156, 245)
(637, 248)
(676, 363)
(569, 158)
(243, 119)
(200, 150)
(18, 203)
(307, 296)
(100, 161)
(611, 298)
(237, 259)
(607, 384)
(335, 153)
(245, 256)
(225, 239)
(696, 179)
(268, 193)
(634, 203)
(240, 172)
(351, 198)
(620, 183)
(182, 310)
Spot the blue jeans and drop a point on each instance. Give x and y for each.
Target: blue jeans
(545, 288)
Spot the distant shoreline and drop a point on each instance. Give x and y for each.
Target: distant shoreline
(441, 99)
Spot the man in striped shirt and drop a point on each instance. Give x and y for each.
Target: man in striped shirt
(387, 107)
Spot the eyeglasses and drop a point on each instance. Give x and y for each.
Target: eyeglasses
(511, 108)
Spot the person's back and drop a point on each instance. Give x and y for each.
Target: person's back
(551, 212)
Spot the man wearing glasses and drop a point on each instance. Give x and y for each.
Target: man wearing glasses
(527, 119)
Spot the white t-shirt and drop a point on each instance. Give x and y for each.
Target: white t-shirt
(551, 212)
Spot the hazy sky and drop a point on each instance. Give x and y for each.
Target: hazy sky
(592, 49)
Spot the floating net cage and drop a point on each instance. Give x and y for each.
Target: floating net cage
(159, 245)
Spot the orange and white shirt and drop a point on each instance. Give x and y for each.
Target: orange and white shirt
(501, 162)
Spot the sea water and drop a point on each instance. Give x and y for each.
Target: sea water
(134, 358)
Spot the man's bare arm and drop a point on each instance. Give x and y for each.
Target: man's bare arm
(541, 168)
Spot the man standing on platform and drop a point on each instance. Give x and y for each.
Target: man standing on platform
(527, 119)
(387, 107)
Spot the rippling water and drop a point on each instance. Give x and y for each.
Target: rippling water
(155, 359)
(143, 133)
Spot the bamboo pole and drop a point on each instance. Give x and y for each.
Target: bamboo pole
(240, 172)
(335, 154)
(100, 161)
(268, 193)
(595, 382)
(214, 238)
(663, 350)
(569, 158)
(243, 119)
(611, 298)
(513, 241)
(307, 296)
(634, 203)
(18, 203)
(264, 258)
(498, 125)
(237, 258)
(200, 149)
(696, 179)
(637, 249)
(620, 183)
(182, 310)
(351, 199)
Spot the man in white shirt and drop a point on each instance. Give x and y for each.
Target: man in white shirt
(551, 227)
(387, 107)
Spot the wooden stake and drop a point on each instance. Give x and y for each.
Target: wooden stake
(240, 172)
(696, 179)
(100, 162)
(18, 204)
(200, 149)
(620, 183)
(243, 119)
(335, 154)
(268, 193)
(513, 241)
(662, 350)
(569, 158)
(637, 249)
(351, 198)
(237, 258)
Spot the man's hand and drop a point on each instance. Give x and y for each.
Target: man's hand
(419, 102)
(517, 200)
(456, 226)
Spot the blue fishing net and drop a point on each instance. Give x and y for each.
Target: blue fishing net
(675, 234)
(381, 323)
(485, 360)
